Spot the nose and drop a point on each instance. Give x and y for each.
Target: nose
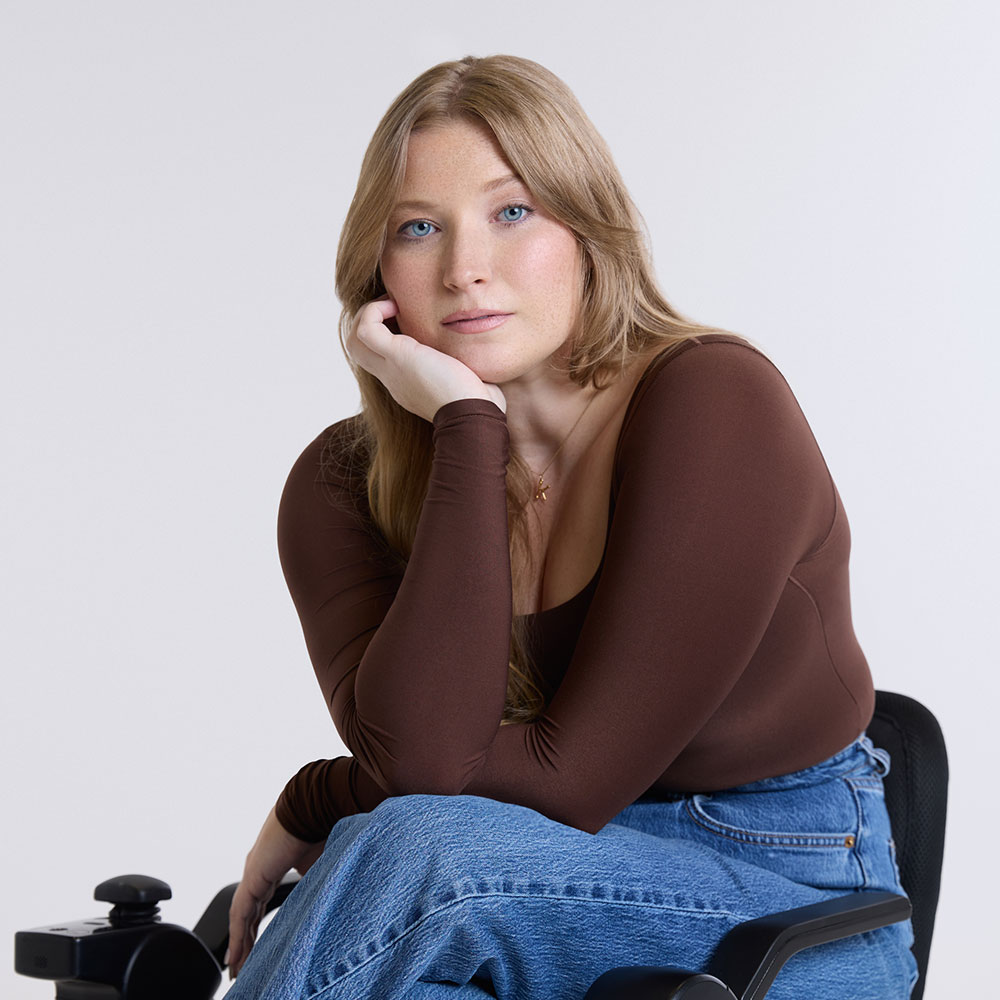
(468, 258)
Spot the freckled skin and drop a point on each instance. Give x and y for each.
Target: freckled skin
(468, 259)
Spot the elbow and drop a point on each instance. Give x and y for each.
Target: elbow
(582, 812)
(587, 822)
(417, 785)
(432, 778)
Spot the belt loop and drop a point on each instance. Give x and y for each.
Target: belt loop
(882, 758)
(878, 756)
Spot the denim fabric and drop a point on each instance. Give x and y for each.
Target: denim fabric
(437, 897)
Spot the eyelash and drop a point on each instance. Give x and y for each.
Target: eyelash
(419, 239)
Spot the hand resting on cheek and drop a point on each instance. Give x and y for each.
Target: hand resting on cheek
(419, 378)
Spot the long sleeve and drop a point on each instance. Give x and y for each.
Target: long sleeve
(716, 649)
(413, 665)
(322, 792)
(703, 638)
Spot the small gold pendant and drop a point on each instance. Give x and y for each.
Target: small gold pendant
(540, 490)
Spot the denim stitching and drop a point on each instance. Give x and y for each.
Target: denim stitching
(873, 782)
(705, 821)
(856, 852)
(692, 910)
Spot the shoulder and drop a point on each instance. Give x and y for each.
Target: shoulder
(717, 401)
(711, 359)
(334, 452)
(323, 513)
(714, 425)
(331, 469)
(708, 378)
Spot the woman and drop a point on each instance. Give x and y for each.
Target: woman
(575, 587)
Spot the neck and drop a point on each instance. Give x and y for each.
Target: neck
(540, 415)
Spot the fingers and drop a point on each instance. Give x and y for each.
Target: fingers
(272, 855)
(371, 319)
(245, 915)
(369, 339)
(386, 306)
(419, 378)
(237, 933)
(240, 945)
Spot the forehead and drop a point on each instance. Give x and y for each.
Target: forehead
(457, 157)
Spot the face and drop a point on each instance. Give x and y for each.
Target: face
(467, 236)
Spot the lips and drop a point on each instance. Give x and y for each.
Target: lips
(472, 314)
(475, 320)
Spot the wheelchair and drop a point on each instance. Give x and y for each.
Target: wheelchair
(131, 955)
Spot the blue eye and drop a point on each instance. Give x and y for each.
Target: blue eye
(421, 228)
(419, 222)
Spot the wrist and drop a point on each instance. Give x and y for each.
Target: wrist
(467, 405)
(279, 829)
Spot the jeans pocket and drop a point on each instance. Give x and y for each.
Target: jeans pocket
(877, 849)
(808, 834)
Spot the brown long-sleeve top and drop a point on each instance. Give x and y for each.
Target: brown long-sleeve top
(713, 647)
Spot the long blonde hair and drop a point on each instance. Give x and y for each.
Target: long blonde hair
(555, 149)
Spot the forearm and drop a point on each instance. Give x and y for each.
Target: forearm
(412, 664)
(430, 688)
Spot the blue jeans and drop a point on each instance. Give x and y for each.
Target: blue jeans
(459, 897)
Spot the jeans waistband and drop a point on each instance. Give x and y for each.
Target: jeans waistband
(859, 756)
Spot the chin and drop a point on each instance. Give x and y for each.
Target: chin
(489, 367)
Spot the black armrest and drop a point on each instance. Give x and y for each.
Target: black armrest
(213, 928)
(751, 955)
(652, 982)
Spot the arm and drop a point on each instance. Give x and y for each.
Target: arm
(322, 792)
(413, 665)
(723, 490)
(274, 852)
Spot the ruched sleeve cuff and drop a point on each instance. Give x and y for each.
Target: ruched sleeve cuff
(474, 431)
(323, 792)
(315, 798)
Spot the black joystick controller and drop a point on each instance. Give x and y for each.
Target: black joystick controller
(135, 898)
(127, 955)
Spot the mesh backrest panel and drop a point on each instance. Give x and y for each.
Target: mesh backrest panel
(916, 795)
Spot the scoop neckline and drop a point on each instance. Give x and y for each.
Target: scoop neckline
(643, 379)
(592, 583)
(611, 499)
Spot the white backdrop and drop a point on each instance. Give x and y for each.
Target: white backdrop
(820, 177)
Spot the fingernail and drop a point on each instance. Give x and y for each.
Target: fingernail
(225, 958)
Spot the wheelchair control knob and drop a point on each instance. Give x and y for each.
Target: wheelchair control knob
(135, 898)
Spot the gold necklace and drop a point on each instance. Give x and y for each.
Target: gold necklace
(542, 486)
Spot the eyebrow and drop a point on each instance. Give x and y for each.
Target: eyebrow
(493, 185)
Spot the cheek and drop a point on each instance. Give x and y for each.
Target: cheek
(407, 287)
(393, 276)
(552, 268)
